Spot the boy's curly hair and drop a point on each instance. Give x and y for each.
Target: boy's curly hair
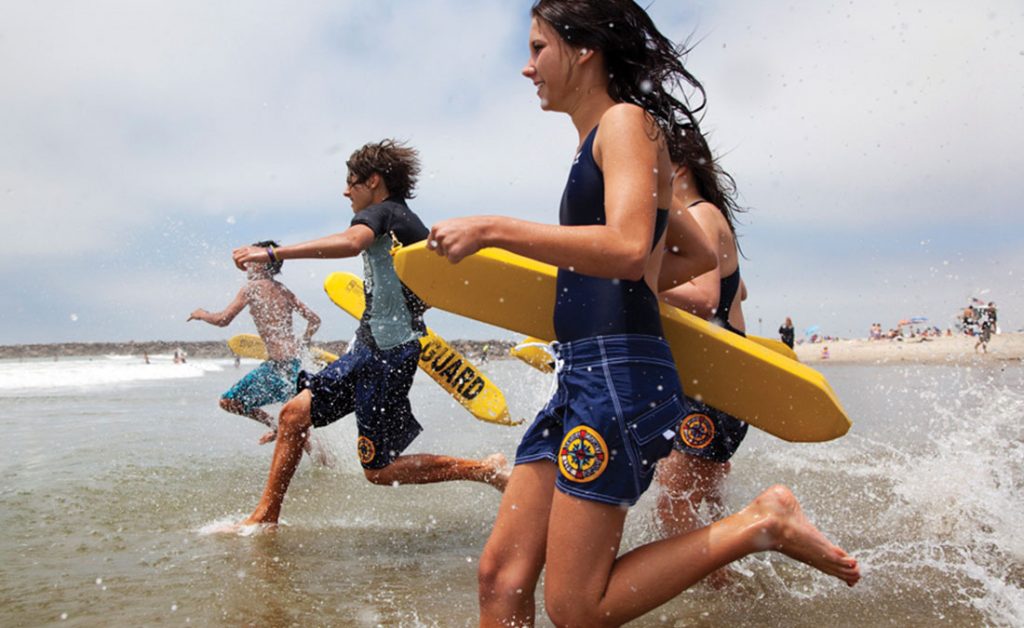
(396, 163)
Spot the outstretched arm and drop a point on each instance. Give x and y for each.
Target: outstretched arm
(225, 316)
(348, 243)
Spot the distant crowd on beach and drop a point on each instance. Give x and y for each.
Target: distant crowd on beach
(977, 320)
(901, 332)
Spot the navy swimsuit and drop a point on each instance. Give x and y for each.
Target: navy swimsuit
(590, 306)
(619, 400)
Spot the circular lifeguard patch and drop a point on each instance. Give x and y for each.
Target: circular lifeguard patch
(366, 449)
(697, 431)
(583, 455)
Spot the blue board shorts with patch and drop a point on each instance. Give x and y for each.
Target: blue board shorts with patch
(709, 433)
(375, 385)
(612, 418)
(272, 381)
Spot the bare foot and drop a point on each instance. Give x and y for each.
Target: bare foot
(789, 531)
(269, 437)
(498, 471)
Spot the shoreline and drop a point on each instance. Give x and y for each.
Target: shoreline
(942, 350)
(206, 349)
(1006, 347)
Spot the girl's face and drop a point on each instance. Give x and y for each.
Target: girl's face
(549, 66)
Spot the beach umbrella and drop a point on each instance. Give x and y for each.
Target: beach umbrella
(918, 319)
(813, 329)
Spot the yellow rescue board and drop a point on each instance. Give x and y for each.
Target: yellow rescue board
(450, 369)
(775, 345)
(251, 346)
(770, 391)
(535, 352)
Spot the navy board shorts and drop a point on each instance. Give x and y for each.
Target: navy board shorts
(709, 433)
(612, 418)
(375, 385)
(273, 381)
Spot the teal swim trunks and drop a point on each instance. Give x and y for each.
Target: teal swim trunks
(270, 382)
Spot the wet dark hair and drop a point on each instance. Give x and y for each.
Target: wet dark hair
(396, 163)
(644, 66)
(714, 184)
(275, 267)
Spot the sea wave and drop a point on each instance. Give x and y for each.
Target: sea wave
(86, 373)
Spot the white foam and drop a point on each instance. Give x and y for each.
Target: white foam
(949, 505)
(230, 525)
(95, 372)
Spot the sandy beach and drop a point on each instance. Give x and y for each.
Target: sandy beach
(943, 350)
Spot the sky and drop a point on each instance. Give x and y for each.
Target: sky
(876, 146)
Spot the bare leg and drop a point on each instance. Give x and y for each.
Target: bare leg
(514, 555)
(612, 591)
(258, 414)
(430, 468)
(292, 435)
(687, 482)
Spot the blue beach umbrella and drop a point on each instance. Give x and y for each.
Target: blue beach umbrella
(813, 329)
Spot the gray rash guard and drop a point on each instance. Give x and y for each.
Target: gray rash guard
(394, 314)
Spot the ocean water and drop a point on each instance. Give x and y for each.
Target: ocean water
(112, 469)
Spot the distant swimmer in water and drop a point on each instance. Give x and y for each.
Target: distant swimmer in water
(271, 305)
(374, 377)
(692, 477)
(591, 451)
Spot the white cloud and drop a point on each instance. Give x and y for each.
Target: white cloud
(134, 130)
(869, 112)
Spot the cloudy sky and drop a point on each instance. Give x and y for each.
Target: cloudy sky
(877, 145)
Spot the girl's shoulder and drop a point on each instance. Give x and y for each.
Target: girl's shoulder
(710, 217)
(626, 124)
(625, 115)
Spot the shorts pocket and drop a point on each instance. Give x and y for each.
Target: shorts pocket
(653, 431)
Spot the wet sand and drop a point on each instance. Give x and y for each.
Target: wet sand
(944, 350)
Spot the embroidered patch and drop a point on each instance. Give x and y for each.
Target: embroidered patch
(583, 455)
(697, 431)
(366, 449)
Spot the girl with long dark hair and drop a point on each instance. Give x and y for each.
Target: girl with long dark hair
(693, 475)
(591, 452)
